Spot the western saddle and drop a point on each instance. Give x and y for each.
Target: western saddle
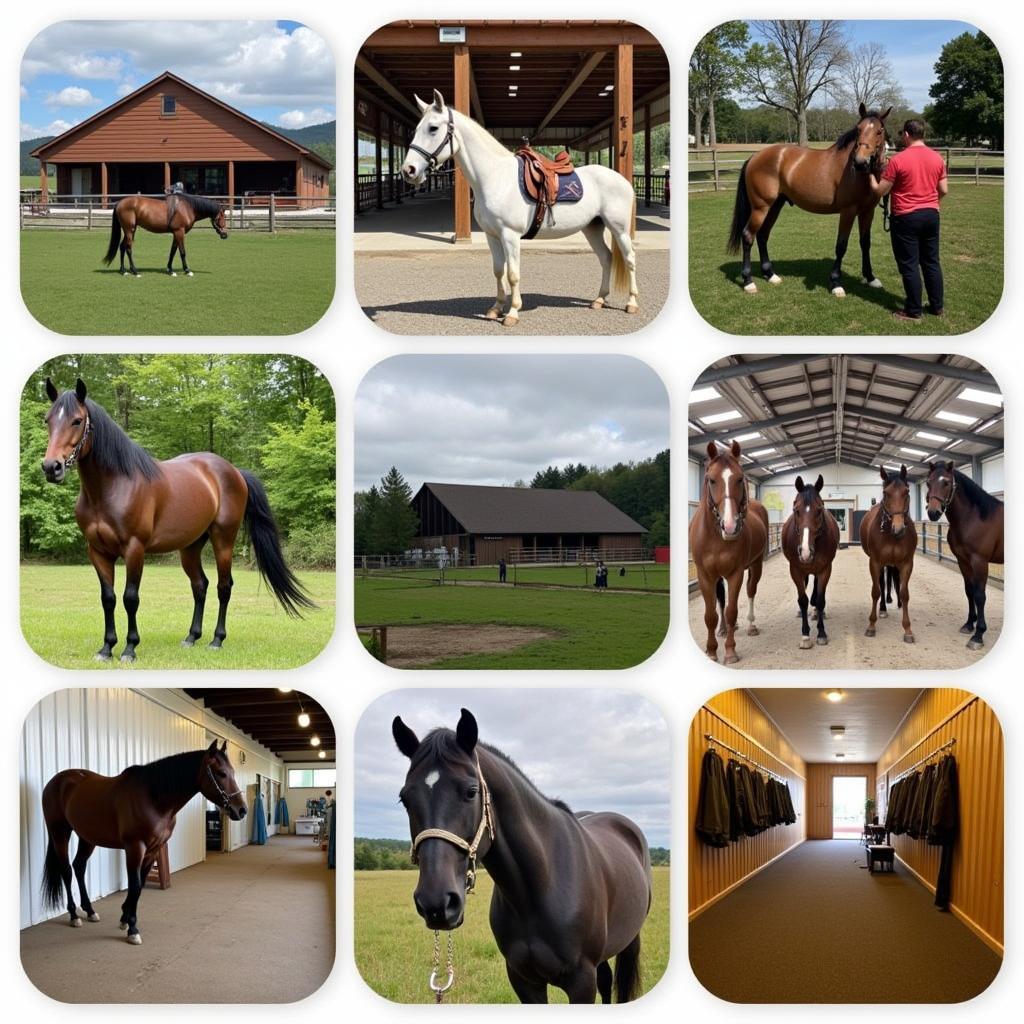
(540, 179)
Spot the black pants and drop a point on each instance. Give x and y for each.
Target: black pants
(915, 244)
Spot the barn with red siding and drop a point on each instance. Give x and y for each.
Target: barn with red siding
(170, 131)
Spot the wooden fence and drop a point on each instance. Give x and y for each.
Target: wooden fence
(774, 547)
(932, 542)
(395, 189)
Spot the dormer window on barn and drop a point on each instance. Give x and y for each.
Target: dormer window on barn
(169, 106)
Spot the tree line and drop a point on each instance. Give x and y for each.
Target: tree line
(385, 522)
(272, 414)
(807, 80)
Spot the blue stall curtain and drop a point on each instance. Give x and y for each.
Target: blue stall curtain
(282, 813)
(330, 841)
(259, 821)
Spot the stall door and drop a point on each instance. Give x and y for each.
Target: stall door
(81, 181)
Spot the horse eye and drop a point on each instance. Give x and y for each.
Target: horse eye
(433, 128)
(471, 793)
(77, 422)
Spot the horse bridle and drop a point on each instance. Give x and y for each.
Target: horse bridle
(449, 137)
(470, 847)
(76, 452)
(227, 797)
(741, 513)
(886, 515)
(946, 502)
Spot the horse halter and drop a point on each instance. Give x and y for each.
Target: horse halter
(886, 516)
(76, 452)
(226, 797)
(741, 505)
(944, 503)
(449, 137)
(486, 825)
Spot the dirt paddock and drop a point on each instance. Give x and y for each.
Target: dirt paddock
(416, 646)
(938, 608)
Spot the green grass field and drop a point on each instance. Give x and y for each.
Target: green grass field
(595, 630)
(62, 620)
(802, 249)
(393, 948)
(638, 577)
(252, 283)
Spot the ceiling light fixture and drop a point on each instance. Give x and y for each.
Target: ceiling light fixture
(303, 720)
(514, 67)
(983, 397)
(835, 696)
(702, 395)
(284, 689)
(314, 741)
(322, 755)
(516, 53)
(721, 417)
(838, 731)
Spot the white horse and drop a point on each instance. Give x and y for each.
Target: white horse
(505, 216)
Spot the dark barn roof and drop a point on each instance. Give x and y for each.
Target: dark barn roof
(501, 510)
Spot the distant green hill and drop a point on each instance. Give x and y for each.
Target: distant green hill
(29, 164)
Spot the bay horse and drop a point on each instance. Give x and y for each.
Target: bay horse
(176, 214)
(726, 540)
(571, 891)
(810, 540)
(504, 215)
(975, 536)
(130, 503)
(833, 180)
(889, 538)
(135, 812)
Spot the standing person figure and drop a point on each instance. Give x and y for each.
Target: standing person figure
(502, 571)
(916, 178)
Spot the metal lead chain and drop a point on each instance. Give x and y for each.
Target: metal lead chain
(435, 987)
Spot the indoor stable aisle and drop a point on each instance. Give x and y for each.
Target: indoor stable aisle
(207, 918)
(816, 926)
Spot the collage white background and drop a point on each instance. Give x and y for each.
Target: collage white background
(344, 344)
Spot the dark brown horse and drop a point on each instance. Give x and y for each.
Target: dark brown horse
(810, 540)
(135, 812)
(975, 536)
(833, 180)
(571, 891)
(176, 214)
(889, 538)
(728, 536)
(130, 504)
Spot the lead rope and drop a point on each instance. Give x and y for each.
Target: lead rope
(439, 989)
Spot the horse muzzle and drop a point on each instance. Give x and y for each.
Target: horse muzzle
(444, 912)
(53, 470)
(223, 234)
(934, 514)
(413, 177)
(236, 813)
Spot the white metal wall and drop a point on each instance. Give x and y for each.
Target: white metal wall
(105, 730)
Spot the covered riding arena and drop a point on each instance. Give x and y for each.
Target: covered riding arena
(597, 88)
(232, 913)
(845, 417)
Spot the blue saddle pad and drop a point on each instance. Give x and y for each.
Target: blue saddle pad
(570, 188)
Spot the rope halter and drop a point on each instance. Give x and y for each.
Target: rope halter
(225, 797)
(486, 826)
(76, 452)
(449, 137)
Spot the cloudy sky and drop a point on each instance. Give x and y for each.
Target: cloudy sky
(498, 419)
(281, 72)
(598, 750)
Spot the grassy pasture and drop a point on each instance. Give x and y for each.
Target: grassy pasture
(638, 577)
(62, 621)
(802, 250)
(252, 283)
(595, 629)
(393, 948)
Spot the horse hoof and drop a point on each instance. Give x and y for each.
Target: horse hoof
(967, 630)
(135, 940)
(750, 288)
(713, 655)
(123, 273)
(214, 645)
(753, 631)
(632, 307)
(128, 656)
(870, 631)
(839, 293)
(94, 917)
(123, 925)
(510, 321)
(188, 642)
(908, 638)
(775, 279)
(805, 643)
(975, 645)
(597, 304)
(822, 641)
(874, 283)
(76, 922)
(731, 659)
(883, 614)
(100, 656)
(492, 314)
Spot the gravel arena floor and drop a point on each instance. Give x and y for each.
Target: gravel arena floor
(447, 293)
(938, 608)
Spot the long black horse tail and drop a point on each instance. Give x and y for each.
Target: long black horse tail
(627, 973)
(115, 238)
(266, 546)
(53, 880)
(740, 211)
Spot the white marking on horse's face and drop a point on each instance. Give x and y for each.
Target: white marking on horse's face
(942, 479)
(432, 778)
(60, 414)
(728, 513)
(805, 548)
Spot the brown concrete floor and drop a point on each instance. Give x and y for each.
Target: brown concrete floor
(253, 926)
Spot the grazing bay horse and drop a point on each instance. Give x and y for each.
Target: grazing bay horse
(833, 180)
(728, 536)
(571, 891)
(810, 540)
(135, 812)
(176, 215)
(130, 503)
(889, 538)
(975, 536)
(505, 214)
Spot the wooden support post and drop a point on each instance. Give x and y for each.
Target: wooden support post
(44, 185)
(167, 176)
(647, 154)
(714, 164)
(378, 168)
(461, 101)
(103, 183)
(977, 167)
(300, 184)
(622, 124)
(231, 188)
(272, 215)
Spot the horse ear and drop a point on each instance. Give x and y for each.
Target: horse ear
(885, 115)
(798, 483)
(224, 747)
(466, 732)
(863, 111)
(882, 473)
(949, 467)
(438, 102)
(405, 738)
(903, 472)
(419, 103)
(735, 449)
(712, 450)
(819, 483)
(212, 748)
(80, 389)
(51, 391)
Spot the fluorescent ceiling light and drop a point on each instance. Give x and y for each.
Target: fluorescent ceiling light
(516, 53)
(763, 451)
(955, 417)
(983, 397)
(782, 465)
(985, 426)
(702, 395)
(835, 696)
(608, 88)
(889, 465)
(950, 447)
(931, 437)
(721, 417)
(914, 451)
(513, 67)
(747, 437)
(513, 88)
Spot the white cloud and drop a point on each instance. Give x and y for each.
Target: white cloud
(23, 92)
(304, 118)
(71, 96)
(58, 127)
(125, 88)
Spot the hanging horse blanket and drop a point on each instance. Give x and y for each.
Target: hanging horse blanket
(712, 823)
(944, 825)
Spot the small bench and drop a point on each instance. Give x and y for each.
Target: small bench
(882, 855)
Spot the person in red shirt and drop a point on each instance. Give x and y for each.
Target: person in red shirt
(916, 178)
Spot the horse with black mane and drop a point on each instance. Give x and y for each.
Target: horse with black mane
(135, 811)
(975, 536)
(176, 214)
(130, 503)
(571, 891)
(833, 180)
